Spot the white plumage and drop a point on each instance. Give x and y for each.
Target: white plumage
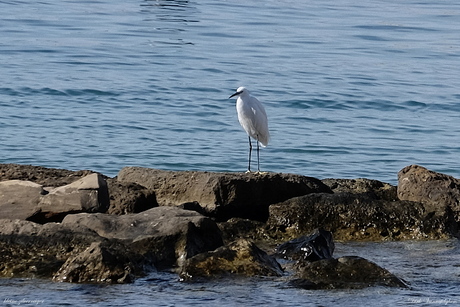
(253, 119)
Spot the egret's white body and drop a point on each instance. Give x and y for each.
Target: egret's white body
(253, 119)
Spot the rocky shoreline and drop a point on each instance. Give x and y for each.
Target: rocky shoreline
(81, 226)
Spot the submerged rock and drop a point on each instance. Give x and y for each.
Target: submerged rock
(240, 257)
(223, 195)
(350, 272)
(319, 245)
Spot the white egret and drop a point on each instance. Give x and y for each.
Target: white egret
(253, 119)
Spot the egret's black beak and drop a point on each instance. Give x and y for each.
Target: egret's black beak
(237, 93)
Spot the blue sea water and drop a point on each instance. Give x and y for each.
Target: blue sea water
(351, 88)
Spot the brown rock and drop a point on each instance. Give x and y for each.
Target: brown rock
(47, 177)
(101, 262)
(372, 188)
(29, 249)
(353, 217)
(240, 257)
(129, 197)
(223, 195)
(439, 193)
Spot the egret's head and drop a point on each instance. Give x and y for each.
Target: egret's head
(240, 91)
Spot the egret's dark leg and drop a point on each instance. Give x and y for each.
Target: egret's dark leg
(258, 166)
(250, 149)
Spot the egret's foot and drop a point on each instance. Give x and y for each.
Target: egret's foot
(248, 171)
(261, 173)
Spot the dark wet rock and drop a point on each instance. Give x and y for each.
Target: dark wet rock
(439, 193)
(372, 188)
(236, 228)
(353, 217)
(319, 245)
(168, 235)
(29, 249)
(223, 195)
(350, 272)
(19, 199)
(129, 197)
(88, 194)
(102, 262)
(241, 257)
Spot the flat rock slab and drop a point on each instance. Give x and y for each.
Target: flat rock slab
(19, 199)
(170, 234)
(223, 195)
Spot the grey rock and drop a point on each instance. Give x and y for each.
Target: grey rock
(88, 194)
(19, 199)
(168, 234)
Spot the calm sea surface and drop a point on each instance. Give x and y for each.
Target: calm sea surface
(352, 89)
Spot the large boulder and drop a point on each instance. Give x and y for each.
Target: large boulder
(349, 272)
(29, 249)
(168, 235)
(102, 262)
(88, 194)
(223, 195)
(353, 217)
(19, 199)
(439, 193)
(240, 257)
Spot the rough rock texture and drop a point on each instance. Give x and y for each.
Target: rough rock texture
(223, 195)
(439, 193)
(240, 257)
(47, 177)
(88, 194)
(319, 245)
(372, 188)
(170, 235)
(102, 262)
(350, 272)
(19, 199)
(129, 197)
(29, 249)
(236, 228)
(353, 217)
